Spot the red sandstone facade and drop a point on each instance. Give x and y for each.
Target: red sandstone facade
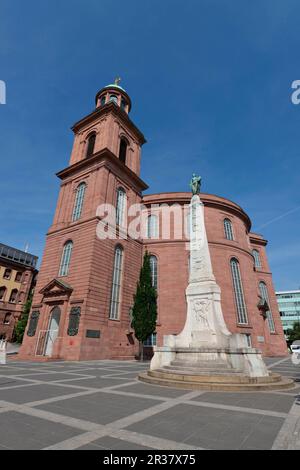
(77, 303)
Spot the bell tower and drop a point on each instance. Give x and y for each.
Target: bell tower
(84, 293)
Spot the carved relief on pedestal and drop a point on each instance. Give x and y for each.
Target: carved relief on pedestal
(200, 308)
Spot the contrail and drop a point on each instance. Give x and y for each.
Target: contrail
(279, 217)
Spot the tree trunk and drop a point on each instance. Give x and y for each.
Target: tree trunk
(141, 351)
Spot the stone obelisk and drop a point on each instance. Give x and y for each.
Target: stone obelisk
(205, 339)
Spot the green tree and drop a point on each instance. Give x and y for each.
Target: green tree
(22, 322)
(144, 311)
(294, 333)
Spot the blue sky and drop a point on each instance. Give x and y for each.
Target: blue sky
(210, 82)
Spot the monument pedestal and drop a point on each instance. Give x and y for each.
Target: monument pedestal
(205, 355)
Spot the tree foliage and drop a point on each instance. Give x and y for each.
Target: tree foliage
(144, 312)
(22, 322)
(294, 333)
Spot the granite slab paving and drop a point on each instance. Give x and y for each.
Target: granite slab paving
(101, 405)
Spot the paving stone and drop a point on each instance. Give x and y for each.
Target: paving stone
(9, 371)
(6, 382)
(261, 401)
(19, 431)
(152, 390)
(108, 443)
(52, 377)
(96, 383)
(208, 428)
(101, 408)
(33, 393)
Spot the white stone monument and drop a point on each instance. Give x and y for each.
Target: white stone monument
(205, 349)
(3, 345)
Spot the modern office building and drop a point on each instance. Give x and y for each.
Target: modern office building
(289, 308)
(17, 277)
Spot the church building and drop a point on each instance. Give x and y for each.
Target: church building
(84, 294)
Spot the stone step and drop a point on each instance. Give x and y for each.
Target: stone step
(182, 376)
(202, 365)
(284, 383)
(199, 370)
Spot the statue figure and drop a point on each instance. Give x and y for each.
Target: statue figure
(117, 81)
(195, 184)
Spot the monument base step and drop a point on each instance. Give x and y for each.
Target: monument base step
(213, 382)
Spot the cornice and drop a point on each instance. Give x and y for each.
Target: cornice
(108, 108)
(107, 158)
(209, 200)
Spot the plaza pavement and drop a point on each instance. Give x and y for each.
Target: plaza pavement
(101, 405)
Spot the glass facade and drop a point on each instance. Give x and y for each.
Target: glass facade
(18, 256)
(289, 308)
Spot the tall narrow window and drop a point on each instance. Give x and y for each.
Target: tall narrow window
(7, 273)
(228, 229)
(13, 296)
(121, 206)
(113, 98)
(2, 292)
(116, 284)
(123, 150)
(65, 259)
(152, 226)
(7, 318)
(257, 262)
(80, 191)
(18, 277)
(153, 267)
(90, 145)
(123, 104)
(238, 292)
(265, 296)
(103, 100)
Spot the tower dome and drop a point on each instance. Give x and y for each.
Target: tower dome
(114, 93)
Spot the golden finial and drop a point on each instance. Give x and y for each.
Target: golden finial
(117, 80)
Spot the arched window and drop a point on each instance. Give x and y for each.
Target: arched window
(7, 318)
(113, 98)
(228, 229)
(116, 284)
(78, 201)
(123, 104)
(7, 273)
(123, 150)
(265, 296)
(121, 206)
(152, 226)
(153, 267)
(13, 296)
(257, 262)
(18, 277)
(65, 259)
(90, 145)
(2, 292)
(238, 292)
(103, 100)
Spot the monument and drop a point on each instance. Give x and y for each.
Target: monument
(206, 355)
